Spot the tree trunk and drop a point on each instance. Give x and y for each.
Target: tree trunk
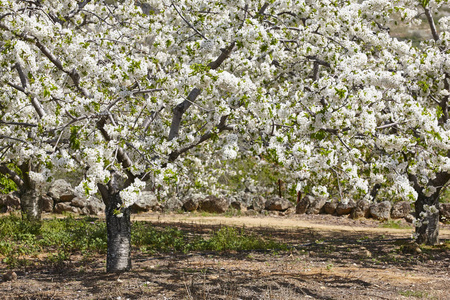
(427, 209)
(30, 194)
(428, 231)
(31, 204)
(118, 225)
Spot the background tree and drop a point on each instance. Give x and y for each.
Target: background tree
(371, 110)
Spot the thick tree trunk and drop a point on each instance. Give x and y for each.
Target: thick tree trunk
(118, 225)
(31, 204)
(30, 194)
(119, 236)
(428, 231)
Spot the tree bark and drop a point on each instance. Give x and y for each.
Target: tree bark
(31, 204)
(30, 195)
(428, 231)
(118, 257)
(118, 225)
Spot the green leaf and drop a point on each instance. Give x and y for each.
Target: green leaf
(74, 141)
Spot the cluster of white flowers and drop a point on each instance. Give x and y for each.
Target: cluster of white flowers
(130, 194)
(228, 82)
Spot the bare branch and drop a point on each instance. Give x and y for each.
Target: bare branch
(388, 125)
(431, 23)
(20, 89)
(179, 110)
(23, 78)
(263, 8)
(221, 127)
(121, 155)
(32, 39)
(36, 104)
(318, 61)
(12, 138)
(151, 118)
(18, 124)
(146, 91)
(77, 10)
(224, 55)
(316, 71)
(187, 22)
(444, 102)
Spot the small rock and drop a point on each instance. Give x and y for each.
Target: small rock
(345, 208)
(278, 204)
(330, 207)
(400, 210)
(170, 205)
(444, 212)
(147, 201)
(316, 206)
(251, 212)
(95, 206)
(412, 248)
(257, 203)
(289, 211)
(190, 205)
(303, 204)
(381, 211)
(9, 202)
(47, 203)
(78, 202)
(410, 218)
(238, 206)
(10, 276)
(61, 191)
(361, 210)
(66, 207)
(213, 204)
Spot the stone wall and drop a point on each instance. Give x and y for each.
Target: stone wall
(61, 198)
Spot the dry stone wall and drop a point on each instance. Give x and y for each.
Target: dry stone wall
(61, 198)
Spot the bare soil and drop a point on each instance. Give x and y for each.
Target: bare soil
(331, 258)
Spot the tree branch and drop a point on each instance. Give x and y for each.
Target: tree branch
(318, 61)
(11, 138)
(18, 124)
(431, 23)
(221, 127)
(444, 102)
(181, 108)
(224, 55)
(263, 8)
(23, 79)
(12, 175)
(187, 22)
(121, 155)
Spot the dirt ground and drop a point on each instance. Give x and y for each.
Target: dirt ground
(331, 258)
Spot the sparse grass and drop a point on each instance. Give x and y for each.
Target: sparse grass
(57, 240)
(232, 212)
(150, 239)
(203, 214)
(394, 225)
(415, 294)
(443, 247)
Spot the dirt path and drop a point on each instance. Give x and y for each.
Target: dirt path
(324, 223)
(331, 258)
